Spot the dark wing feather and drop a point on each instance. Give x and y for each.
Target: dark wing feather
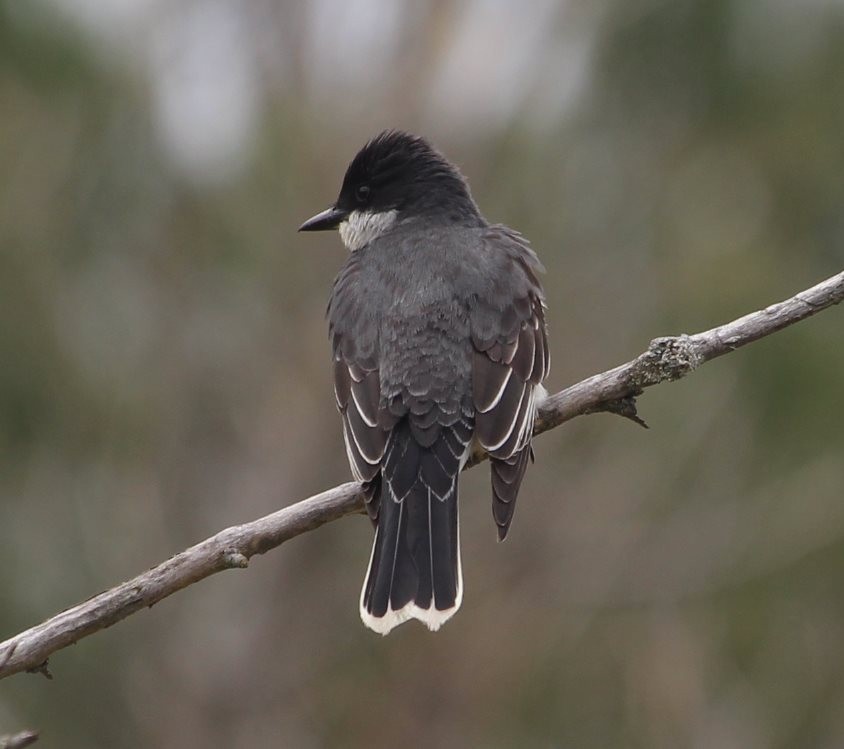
(510, 361)
(357, 385)
(494, 426)
(489, 380)
(358, 395)
(506, 478)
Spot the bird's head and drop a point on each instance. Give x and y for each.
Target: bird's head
(394, 177)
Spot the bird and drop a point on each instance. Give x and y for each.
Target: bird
(439, 345)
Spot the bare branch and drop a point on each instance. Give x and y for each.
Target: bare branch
(18, 740)
(614, 391)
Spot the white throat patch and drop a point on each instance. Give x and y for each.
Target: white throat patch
(361, 227)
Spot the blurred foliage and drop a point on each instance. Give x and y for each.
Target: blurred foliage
(164, 369)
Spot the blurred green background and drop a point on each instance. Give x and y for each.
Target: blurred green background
(164, 368)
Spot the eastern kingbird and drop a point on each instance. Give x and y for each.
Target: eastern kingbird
(437, 325)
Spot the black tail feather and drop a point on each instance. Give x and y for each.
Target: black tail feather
(414, 571)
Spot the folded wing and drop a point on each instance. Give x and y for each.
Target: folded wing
(510, 360)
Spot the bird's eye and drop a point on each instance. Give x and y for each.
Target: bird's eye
(362, 193)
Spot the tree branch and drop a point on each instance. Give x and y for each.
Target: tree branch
(615, 391)
(18, 740)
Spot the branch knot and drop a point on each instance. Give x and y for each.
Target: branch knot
(667, 358)
(233, 559)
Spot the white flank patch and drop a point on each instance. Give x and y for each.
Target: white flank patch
(361, 227)
(540, 395)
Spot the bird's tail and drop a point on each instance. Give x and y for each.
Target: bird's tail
(414, 571)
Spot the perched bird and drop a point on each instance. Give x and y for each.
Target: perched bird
(437, 326)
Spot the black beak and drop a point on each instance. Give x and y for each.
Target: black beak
(330, 218)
